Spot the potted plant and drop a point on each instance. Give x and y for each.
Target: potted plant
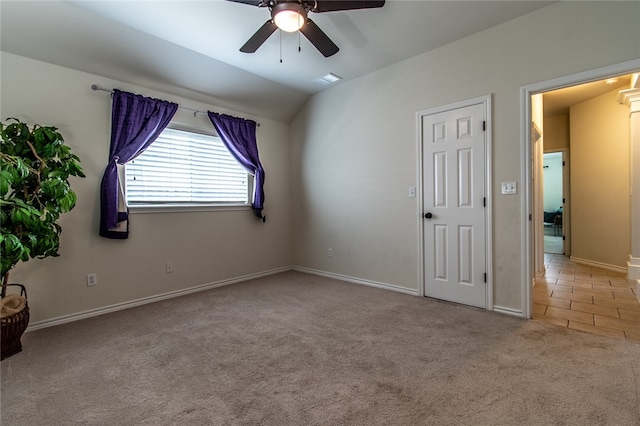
(35, 166)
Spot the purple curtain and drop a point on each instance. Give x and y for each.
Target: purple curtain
(136, 122)
(239, 135)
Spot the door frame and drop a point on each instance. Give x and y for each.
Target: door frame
(527, 259)
(486, 103)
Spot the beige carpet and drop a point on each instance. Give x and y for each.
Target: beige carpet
(297, 349)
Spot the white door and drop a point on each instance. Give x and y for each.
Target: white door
(453, 146)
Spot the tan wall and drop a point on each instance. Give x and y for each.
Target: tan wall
(556, 132)
(205, 247)
(600, 222)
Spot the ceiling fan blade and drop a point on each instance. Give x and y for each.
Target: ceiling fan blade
(319, 39)
(259, 37)
(249, 2)
(334, 5)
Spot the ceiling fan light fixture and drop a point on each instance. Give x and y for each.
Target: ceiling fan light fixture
(289, 17)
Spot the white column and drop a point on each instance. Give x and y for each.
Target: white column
(631, 98)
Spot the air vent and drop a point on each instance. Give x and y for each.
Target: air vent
(327, 79)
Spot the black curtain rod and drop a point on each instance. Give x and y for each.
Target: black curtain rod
(195, 112)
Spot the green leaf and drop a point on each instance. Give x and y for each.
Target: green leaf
(22, 168)
(5, 182)
(68, 201)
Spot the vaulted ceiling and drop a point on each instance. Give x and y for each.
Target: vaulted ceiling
(191, 48)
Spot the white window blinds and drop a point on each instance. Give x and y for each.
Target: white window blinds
(183, 167)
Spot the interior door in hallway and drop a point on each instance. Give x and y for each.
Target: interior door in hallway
(453, 147)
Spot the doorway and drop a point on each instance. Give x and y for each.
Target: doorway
(555, 180)
(531, 250)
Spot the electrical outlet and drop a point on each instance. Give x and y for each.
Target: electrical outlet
(92, 279)
(330, 252)
(169, 267)
(509, 188)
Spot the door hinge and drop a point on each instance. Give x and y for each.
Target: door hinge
(484, 202)
(484, 126)
(563, 163)
(563, 201)
(530, 216)
(485, 277)
(563, 238)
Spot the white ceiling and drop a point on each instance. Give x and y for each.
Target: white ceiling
(193, 46)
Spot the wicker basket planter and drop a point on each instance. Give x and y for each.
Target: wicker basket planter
(13, 326)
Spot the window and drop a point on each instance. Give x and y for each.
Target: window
(183, 168)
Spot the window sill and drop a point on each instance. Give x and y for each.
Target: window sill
(186, 208)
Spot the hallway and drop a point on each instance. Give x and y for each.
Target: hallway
(586, 298)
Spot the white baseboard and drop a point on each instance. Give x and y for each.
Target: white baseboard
(633, 268)
(151, 299)
(508, 311)
(369, 283)
(606, 266)
(498, 309)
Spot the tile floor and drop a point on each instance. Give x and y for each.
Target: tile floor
(586, 298)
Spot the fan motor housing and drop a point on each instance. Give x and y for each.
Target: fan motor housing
(289, 17)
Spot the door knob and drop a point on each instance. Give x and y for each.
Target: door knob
(428, 215)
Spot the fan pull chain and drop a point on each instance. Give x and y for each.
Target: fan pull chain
(280, 45)
(299, 48)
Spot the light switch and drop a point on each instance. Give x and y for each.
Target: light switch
(509, 188)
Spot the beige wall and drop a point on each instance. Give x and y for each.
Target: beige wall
(600, 221)
(355, 149)
(205, 247)
(556, 132)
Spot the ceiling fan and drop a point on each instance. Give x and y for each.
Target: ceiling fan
(291, 16)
